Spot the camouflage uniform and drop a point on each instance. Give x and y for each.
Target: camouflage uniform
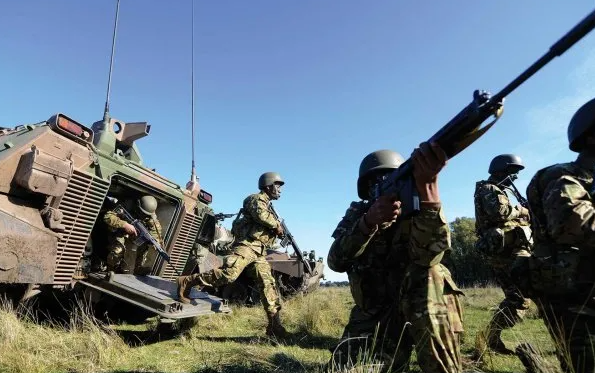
(504, 237)
(563, 260)
(254, 234)
(396, 277)
(120, 241)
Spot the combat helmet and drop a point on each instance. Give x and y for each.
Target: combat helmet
(269, 178)
(147, 205)
(582, 122)
(375, 161)
(506, 163)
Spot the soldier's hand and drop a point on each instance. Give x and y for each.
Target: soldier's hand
(129, 228)
(384, 210)
(524, 212)
(428, 161)
(279, 231)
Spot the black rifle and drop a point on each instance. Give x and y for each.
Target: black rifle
(221, 216)
(512, 188)
(143, 235)
(465, 128)
(288, 239)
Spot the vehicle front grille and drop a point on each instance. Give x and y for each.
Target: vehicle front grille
(80, 206)
(183, 245)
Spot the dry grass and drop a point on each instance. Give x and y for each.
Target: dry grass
(227, 343)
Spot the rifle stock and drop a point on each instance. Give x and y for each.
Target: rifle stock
(466, 127)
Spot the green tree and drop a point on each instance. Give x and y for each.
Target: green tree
(468, 266)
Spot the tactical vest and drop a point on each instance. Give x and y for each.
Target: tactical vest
(498, 239)
(557, 269)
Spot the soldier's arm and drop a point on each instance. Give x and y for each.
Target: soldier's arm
(154, 228)
(260, 212)
(497, 205)
(569, 212)
(351, 239)
(430, 235)
(113, 220)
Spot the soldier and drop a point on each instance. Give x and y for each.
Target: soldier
(505, 238)
(403, 295)
(123, 233)
(255, 230)
(563, 260)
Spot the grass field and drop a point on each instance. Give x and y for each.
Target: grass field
(230, 343)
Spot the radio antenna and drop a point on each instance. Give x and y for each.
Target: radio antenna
(192, 185)
(106, 116)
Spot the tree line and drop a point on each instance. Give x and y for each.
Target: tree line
(468, 266)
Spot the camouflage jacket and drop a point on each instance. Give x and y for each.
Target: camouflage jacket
(564, 218)
(256, 224)
(116, 225)
(493, 208)
(503, 230)
(377, 264)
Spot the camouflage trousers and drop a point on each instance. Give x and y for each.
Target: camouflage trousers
(244, 258)
(429, 317)
(430, 303)
(120, 257)
(373, 337)
(514, 306)
(571, 325)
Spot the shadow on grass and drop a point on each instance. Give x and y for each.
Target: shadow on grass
(303, 340)
(138, 338)
(278, 363)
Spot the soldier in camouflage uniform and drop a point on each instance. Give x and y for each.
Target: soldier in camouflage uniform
(563, 259)
(504, 236)
(255, 229)
(121, 241)
(403, 295)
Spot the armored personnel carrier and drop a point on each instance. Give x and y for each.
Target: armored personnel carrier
(294, 274)
(55, 180)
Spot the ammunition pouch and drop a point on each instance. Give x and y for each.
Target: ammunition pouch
(503, 242)
(522, 236)
(491, 242)
(553, 271)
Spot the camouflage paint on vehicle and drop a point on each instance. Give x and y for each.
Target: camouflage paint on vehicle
(54, 177)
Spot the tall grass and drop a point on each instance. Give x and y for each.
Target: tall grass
(27, 345)
(230, 343)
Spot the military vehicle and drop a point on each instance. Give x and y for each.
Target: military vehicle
(55, 180)
(292, 275)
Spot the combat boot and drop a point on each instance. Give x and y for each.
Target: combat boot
(494, 342)
(185, 284)
(275, 328)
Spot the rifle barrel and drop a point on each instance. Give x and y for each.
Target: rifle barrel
(556, 50)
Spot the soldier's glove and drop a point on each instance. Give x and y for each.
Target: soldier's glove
(279, 231)
(384, 210)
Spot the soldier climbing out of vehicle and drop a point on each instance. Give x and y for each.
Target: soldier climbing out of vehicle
(122, 247)
(255, 230)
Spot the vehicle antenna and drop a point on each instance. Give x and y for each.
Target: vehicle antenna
(106, 116)
(192, 185)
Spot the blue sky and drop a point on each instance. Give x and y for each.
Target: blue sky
(306, 88)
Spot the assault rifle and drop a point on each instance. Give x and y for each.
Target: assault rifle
(466, 127)
(513, 189)
(143, 235)
(288, 239)
(221, 216)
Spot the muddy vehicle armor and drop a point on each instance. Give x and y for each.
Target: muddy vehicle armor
(55, 180)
